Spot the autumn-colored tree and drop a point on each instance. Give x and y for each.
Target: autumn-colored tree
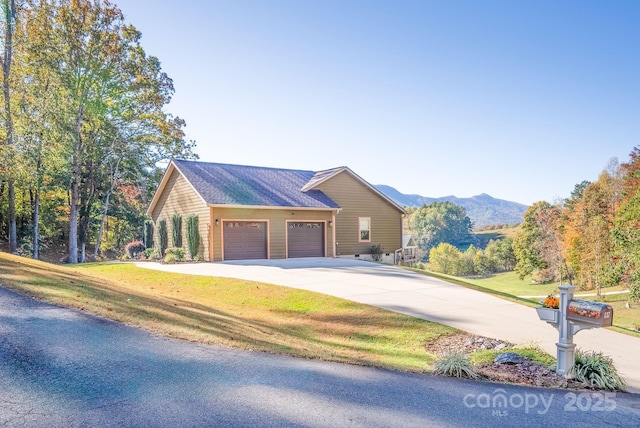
(109, 98)
(626, 231)
(587, 226)
(8, 152)
(539, 246)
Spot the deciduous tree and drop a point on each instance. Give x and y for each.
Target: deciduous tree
(626, 231)
(109, 98)
(8, 150)
(440, 222)
(539, 247)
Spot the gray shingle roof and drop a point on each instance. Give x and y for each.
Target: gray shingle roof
(224, 184)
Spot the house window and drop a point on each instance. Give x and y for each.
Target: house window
(365, 229)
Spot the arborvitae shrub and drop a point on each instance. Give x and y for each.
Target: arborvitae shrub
(193, 235)
(148, 234)
(163, 236)
(176, 230)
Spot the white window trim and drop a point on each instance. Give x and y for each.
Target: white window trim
(360, 229)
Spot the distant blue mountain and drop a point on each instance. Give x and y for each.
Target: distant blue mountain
(483, 210)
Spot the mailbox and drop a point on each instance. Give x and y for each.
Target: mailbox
(597, 314)
(571, 317)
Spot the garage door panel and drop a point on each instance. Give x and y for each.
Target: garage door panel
(245, 240)
(305, 239)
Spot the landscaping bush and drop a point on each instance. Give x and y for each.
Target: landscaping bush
(163, 236)
(376, 253)
(151, 254)
(177, 253)
(148, 234)
(193, 236)
(456, 365)
(597, 371)
(134, 249)
(176, 230)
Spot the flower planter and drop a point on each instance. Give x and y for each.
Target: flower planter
(548, 314)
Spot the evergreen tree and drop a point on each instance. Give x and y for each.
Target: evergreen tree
(193, 235)
(163, 237)
(176, 230)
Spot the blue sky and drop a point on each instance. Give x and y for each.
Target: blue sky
(518, 99)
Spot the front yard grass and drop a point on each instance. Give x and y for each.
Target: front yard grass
(232, 312)
(262, 317)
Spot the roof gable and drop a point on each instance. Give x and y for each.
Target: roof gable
(239, 185)
(408, 242)
(224, 184)
(323, 176)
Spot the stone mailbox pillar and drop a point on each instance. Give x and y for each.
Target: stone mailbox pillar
(566, 355)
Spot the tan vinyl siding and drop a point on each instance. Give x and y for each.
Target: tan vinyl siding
(277, 226)
(359, 201)
(178, 197)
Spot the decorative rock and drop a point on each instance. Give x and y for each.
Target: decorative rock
(509, 358)
(500, 346)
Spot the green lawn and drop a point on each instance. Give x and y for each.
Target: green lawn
(232, 312)
(254, 315)
(508, 282)
(507, 285)
(484, 236)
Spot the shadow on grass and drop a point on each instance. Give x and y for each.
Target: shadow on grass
(359, 335)
(88, 366)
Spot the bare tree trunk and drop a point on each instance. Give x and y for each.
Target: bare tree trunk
(84, 219)
(75, 189)
(73, 222)
(102, 223)
(114, 175)
(2, 223)
(9, 9)
(13, 235)
(36, 219)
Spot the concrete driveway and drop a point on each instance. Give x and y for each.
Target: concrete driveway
(424, 297)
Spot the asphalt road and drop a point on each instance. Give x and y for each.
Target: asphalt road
(64, 368)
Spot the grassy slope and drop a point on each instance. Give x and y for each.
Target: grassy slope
(232, 312)
(507, 285)
(508, 282)
(484, 236)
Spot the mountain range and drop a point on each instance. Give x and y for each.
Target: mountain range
(483, 209)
